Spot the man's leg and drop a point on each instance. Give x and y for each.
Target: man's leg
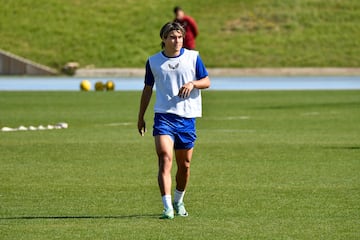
(164, 149)
(183, 160)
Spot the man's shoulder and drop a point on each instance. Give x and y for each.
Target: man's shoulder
(156, 58)
(187, 18)
(156, 55)
(190, 51)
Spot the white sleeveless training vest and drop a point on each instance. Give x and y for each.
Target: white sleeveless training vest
(170, 74)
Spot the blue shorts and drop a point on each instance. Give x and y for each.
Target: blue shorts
(180, 129)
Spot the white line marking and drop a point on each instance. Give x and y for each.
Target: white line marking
(119, 124)
(311, 114)
(230, 118)
(231, 130)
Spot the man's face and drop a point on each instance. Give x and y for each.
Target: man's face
(174, 41)
(180, 15)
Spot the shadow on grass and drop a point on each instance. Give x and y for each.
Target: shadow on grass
(344, 147)
(81, 217)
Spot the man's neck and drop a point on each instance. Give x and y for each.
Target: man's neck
(171, 53)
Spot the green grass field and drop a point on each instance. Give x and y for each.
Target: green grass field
(233, 33)
(267, 165)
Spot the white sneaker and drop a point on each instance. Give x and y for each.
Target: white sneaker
(180, 209)
(168, 214)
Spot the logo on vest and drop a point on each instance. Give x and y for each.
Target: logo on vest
(174, 67)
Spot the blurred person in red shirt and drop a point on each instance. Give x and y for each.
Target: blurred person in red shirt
(190, 26)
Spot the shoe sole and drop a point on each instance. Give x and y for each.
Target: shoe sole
(182, 215)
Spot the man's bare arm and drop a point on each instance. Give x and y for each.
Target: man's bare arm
(144, 103)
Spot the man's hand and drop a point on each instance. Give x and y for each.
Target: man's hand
(141, 127)
(186, 89)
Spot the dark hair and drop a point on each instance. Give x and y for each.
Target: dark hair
(169, 27)
(177, 8)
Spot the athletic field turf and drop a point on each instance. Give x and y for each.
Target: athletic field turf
(267, 165)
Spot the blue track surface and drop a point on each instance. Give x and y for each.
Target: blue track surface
(218, 83)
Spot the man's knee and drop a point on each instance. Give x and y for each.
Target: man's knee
(165, 160)
(184, 164)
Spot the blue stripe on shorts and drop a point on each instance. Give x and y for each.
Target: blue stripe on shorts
(181, 130)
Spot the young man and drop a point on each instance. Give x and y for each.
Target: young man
(190, 26)
(178, 75)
